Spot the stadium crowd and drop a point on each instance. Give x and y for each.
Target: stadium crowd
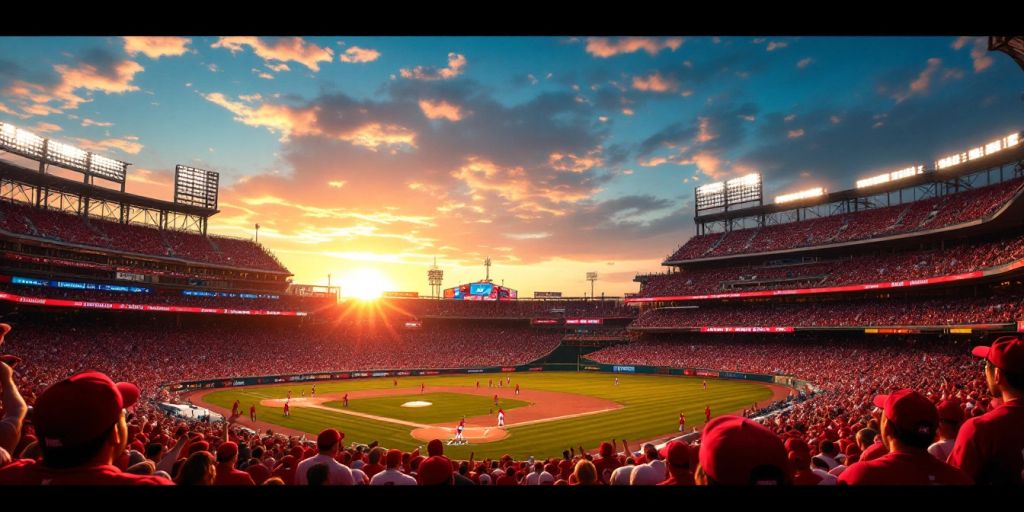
(864, 312)
(918, 412)
(842, 421)
(20, 219)
(924, 214)
(861, 269)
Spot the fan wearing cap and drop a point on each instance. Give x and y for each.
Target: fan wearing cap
(737, 451)
(677, 455)
(327, 445)
(392, 473)
(989, 447)
(908, 426)
(951, 417)
(81, 427)
(227, 459)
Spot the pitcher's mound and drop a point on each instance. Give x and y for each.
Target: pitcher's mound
(472, 434)
(417, 403)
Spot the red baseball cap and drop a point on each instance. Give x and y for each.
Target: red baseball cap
(436, 470)
(950, 410)
(328, 438)
(1006, 353)
(737, 451)
(676, 453)
(80, 408)
(910, 411)
(227, 451)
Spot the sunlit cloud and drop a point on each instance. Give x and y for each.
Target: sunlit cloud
(284, 49)
(155, 47)
(456, 63)
(356, 54)
(605, 47)
(440, 110)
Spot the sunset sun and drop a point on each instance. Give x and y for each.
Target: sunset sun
(365, 284)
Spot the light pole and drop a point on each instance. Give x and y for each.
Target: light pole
(591, 276)
(257, 233)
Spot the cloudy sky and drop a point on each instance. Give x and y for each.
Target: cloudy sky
(554, 156)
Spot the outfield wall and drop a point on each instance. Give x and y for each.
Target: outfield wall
(587, 367)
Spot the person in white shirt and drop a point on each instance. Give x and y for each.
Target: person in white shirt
(819, 466)
(391, 474)
(327, 443)
(621, 475)
(539, 476)
(828, 454)
(951, 417)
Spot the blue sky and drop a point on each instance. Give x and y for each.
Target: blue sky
(552, 155)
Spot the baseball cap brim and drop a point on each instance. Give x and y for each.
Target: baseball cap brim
(880, 400)
(129, 393)
(981, 351)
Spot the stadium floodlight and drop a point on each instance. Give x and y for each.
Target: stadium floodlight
(743, 189)
(890, 176)
(974, 153)
(710, 196)
(21, 142)
(66, 155)
(803, 194)
(196, 187)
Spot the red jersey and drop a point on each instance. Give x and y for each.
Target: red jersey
(707, 412)
(372, 469)
(990, 447)
(876, 450)
(286, 406)
(904, 468)
(682, 419)
(30, 472)
(252, 409)
(228, 475)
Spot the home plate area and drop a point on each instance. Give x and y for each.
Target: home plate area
(471, 434)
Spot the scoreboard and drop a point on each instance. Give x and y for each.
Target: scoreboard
(480, 291)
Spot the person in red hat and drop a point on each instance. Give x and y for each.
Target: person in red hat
(682, 422)
(707, 413)
(252, 412)
(227, 459)
(908, 426)
(677, 459)
(990, 447)
(737, 451)
(607, 463)
(81, 426)
(327, 444)
(951, 416)
(287, 409)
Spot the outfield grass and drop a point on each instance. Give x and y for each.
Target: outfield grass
(652, 404)
(445, 408)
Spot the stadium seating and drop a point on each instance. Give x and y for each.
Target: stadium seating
(20, 219)
(920, 215)
(863, 312)
(515, 308)
(858, 269)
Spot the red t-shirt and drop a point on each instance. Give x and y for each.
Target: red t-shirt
(990, 447)
(876, 450)
(806, 477)
(29, 472)
(609, 464)
(372, 469)
(904, 468)
(228, 475)
(564, 469)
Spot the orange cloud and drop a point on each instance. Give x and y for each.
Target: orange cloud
(46, 127)
(576, 164)
(36, 98)
(129, 145)
(455, 64)
(704, 134)
(356, 54)
(156, 47)
(285, 49)
(440, 110)
(286, 120)
(793, 134)
(374, 135)
(604, 47)
(90, 122)
(654, 83)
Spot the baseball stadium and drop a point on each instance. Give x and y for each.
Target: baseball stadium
(865, 330)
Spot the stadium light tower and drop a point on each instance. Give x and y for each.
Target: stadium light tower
(591, 276)
(487, 266)
(434, 276)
